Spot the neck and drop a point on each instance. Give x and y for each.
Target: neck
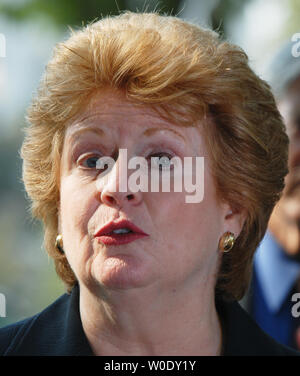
(151, 322)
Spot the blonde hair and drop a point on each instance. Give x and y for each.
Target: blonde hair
(188, 73)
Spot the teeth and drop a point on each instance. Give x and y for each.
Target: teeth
(121, 231)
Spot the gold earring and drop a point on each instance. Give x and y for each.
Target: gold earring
(226, 242)
(59, 244)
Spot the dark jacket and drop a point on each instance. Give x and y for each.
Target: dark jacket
(58, 331)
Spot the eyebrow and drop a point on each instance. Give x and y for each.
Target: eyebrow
(100, 132)
(150, 131)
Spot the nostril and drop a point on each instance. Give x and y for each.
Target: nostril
(116, 198)
(111, 199)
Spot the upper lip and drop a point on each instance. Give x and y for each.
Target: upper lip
(117, 224)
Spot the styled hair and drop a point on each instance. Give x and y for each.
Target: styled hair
(188, 74)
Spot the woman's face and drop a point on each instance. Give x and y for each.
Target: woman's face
(181, 248)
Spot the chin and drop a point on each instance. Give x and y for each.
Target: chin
(121, 272)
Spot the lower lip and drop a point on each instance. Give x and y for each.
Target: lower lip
(118, 239)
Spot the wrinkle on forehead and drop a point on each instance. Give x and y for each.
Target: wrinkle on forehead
(107, 100)
(108, 104)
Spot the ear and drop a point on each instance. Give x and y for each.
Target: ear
(233, 219)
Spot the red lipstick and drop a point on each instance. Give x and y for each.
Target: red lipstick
(128, 232)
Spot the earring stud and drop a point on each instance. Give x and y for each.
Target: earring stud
(59, 244)
(226, 242)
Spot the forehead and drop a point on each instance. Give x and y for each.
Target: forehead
(110, 110)
(113, 105)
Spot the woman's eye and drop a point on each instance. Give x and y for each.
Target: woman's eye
(89, 162)
(163, 160)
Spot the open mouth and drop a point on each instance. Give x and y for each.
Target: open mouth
(119, 237)
(119, 232)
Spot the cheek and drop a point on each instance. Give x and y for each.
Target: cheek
(78, 204)
(199, 225)
(76, 208)
(195, 226)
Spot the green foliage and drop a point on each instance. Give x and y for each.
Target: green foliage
(76, 12)
(225, 10)
(293, 22)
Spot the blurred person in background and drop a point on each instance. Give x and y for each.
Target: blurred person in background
(276, 276)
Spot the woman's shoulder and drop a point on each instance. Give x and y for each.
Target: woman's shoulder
(243, 337)
(23, 334)
(12, 334)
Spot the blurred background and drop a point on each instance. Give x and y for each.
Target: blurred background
(29, 29)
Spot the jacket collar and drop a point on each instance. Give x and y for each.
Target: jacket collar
(58, 331)
(241, 335)
(75, 342)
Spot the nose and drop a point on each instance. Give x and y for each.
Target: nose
(118, 199)
(114, 189)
